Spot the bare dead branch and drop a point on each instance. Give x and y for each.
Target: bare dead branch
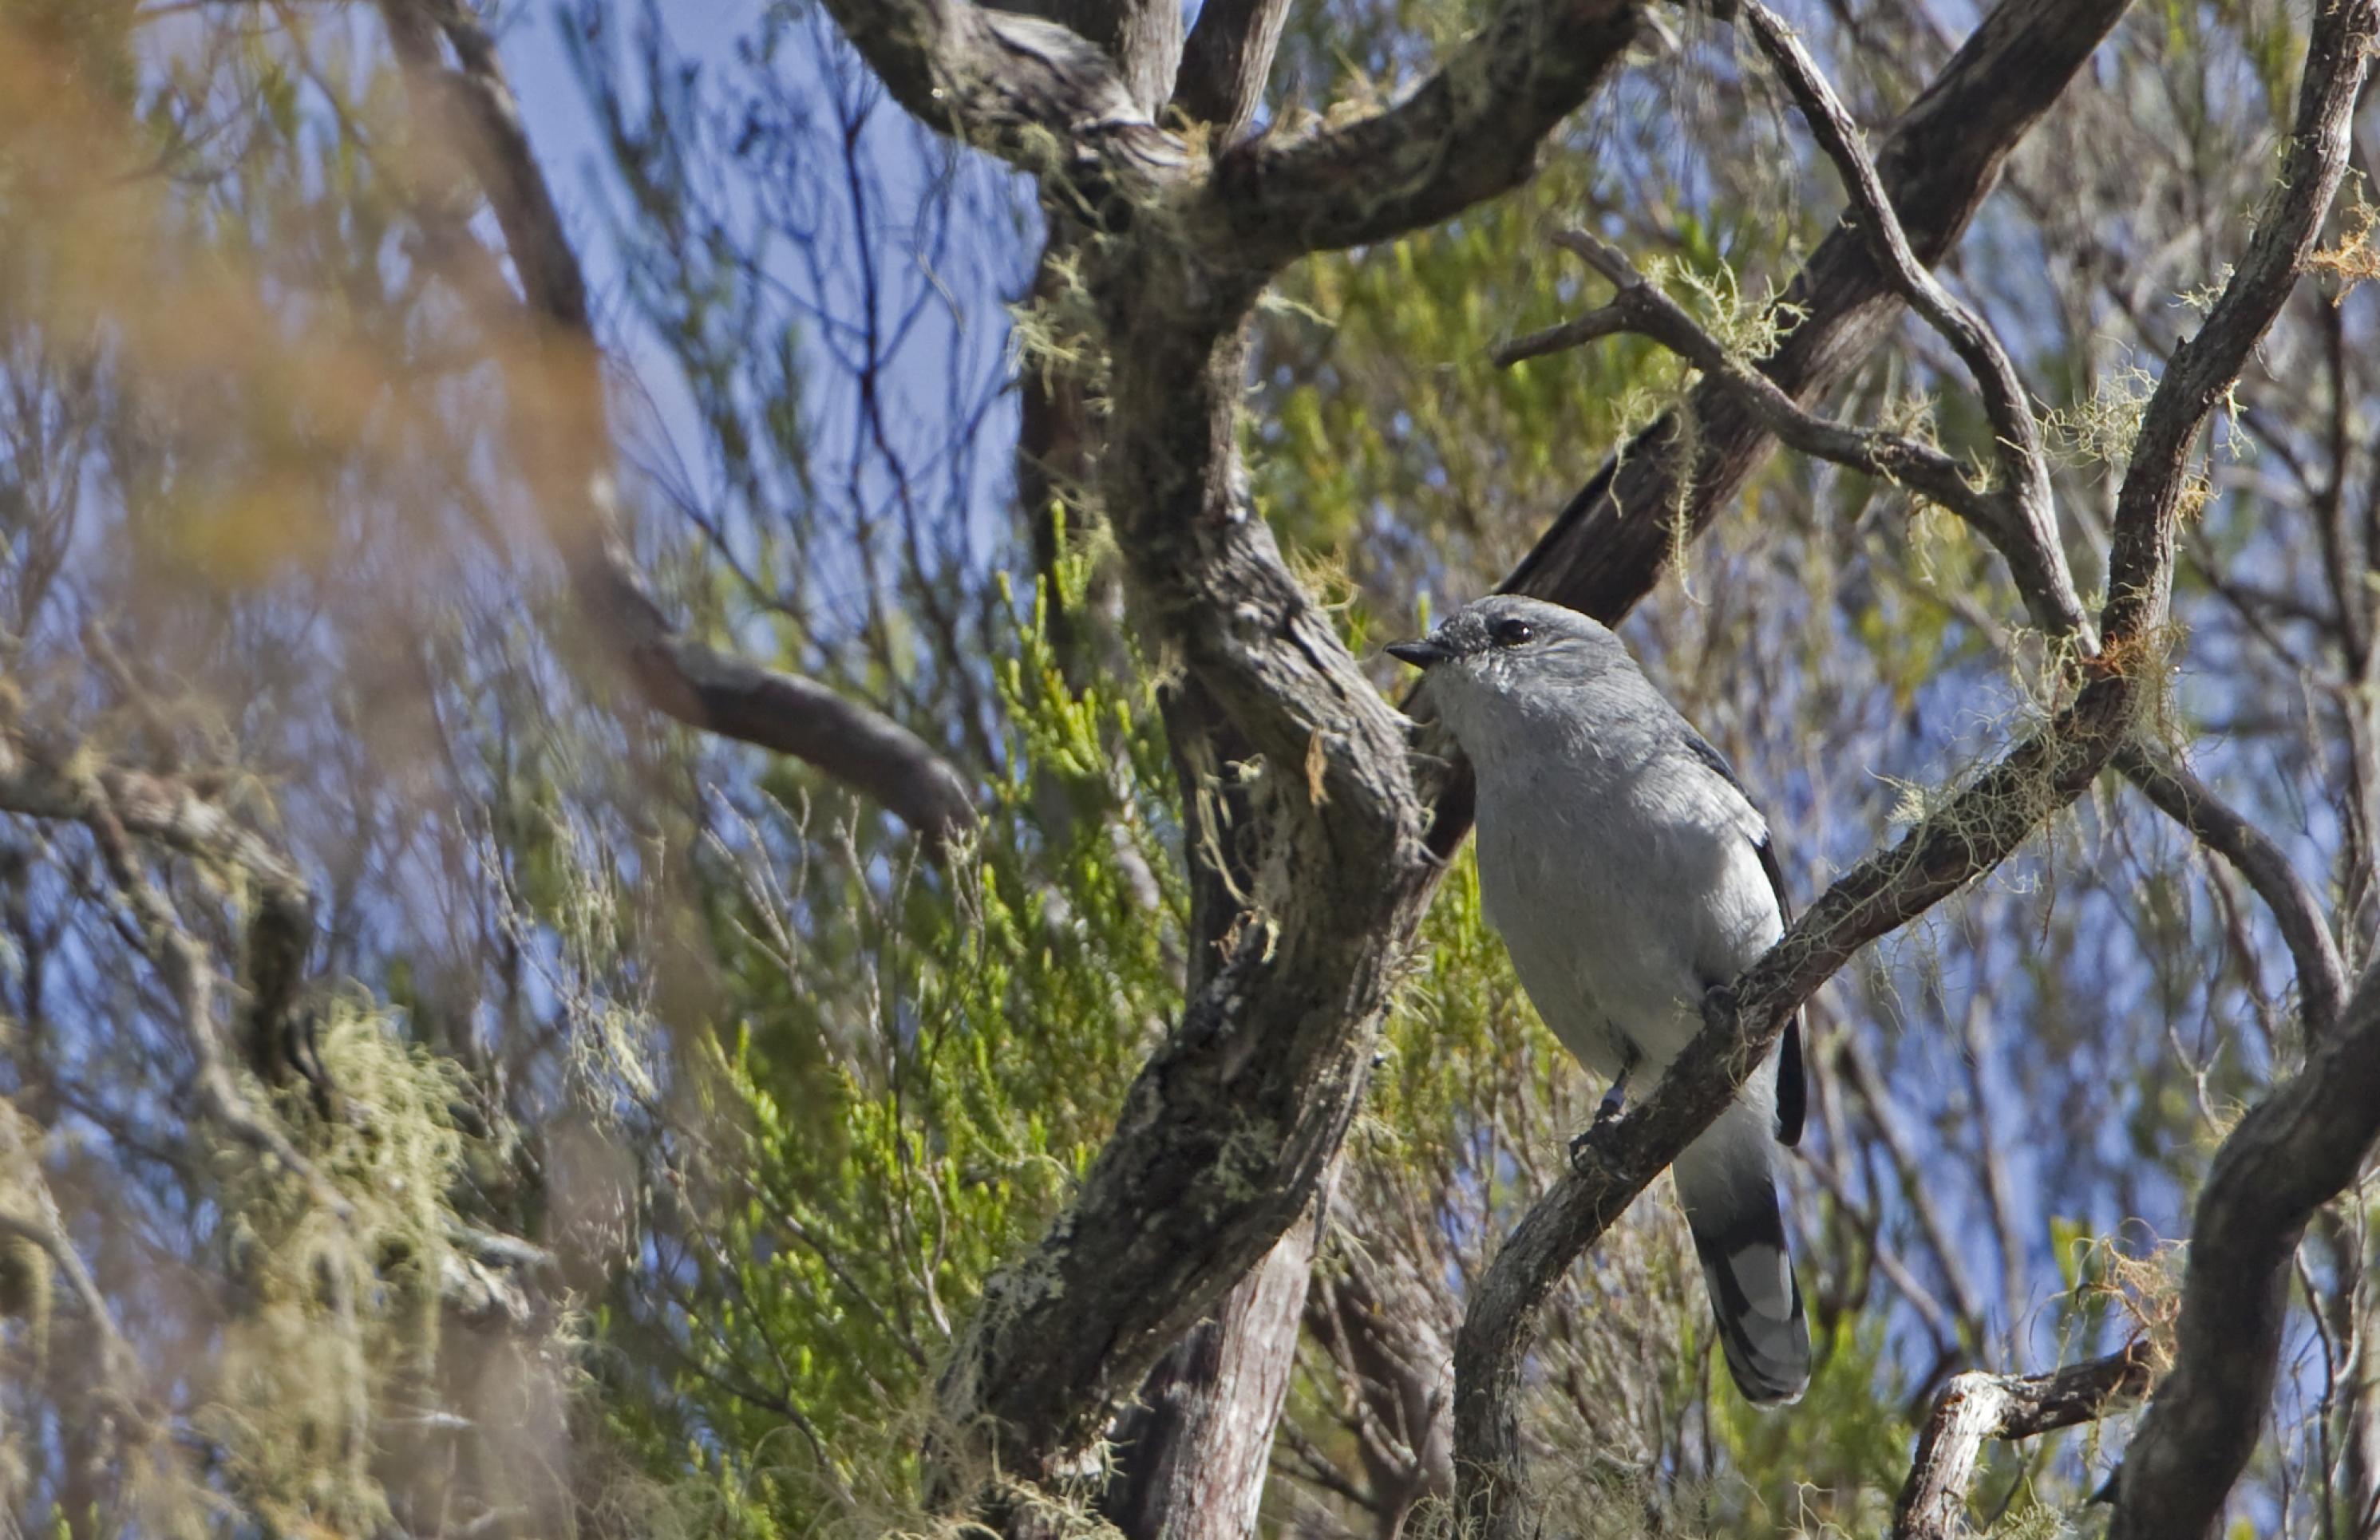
(1637, 306)
(553, 354)
(1224, 66)
(1606, 549)
(1389, 1339)
(2021, 502)
(1975, 1409)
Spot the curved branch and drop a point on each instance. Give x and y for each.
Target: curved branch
(2295, 1151)
(1470, 132)
(566, 447)
(2022, 503)
(1975, 1409)
(1637, 306)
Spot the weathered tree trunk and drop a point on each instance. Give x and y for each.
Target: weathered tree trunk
(1194, 1453)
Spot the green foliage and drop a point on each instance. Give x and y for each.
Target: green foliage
(909, 1090)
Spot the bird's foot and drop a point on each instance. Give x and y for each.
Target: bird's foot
(1585, 1159)
(1587, 1156)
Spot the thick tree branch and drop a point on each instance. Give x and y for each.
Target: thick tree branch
(2295, 1151)
(1141, 38)
(549, 350)
(1224, 68)
(1192, 1456)
(1469, 133)
(1229, 1125)
(1046, 99)
(1030, 91)
(1975, 1409)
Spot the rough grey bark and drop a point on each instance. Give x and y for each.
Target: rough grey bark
(1194, 1453)
(1141, 38)
(1225, 65)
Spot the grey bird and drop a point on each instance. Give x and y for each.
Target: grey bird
(1629, 875)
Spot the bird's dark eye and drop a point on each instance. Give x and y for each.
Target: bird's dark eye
(1511, 633)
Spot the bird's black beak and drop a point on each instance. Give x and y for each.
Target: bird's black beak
(1420, 654)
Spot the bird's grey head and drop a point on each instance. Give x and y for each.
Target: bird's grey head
(1507, 658)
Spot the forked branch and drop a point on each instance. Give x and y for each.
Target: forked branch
(1975, 1409)
(2020, 502)
(1638, 307)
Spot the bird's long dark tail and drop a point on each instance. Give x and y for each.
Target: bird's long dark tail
(1727, 1182)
